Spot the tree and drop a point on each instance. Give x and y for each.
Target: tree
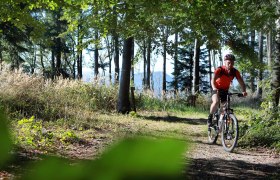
(260, 72)
(195, 89)
(275, 81)
(123, 99)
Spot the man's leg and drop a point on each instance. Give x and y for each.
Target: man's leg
(213, 107)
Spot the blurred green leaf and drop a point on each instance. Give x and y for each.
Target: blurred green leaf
(5, 140)
(134, 158)
(144, 156)
(53, 168)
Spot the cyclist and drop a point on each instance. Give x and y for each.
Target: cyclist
(220, 83)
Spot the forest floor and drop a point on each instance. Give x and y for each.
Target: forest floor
(206, 161)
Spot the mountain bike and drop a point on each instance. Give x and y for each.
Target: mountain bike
(225, 122)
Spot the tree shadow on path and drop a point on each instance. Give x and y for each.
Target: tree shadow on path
(174, 119)
(230, 169)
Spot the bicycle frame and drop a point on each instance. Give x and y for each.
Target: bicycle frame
(226, 124)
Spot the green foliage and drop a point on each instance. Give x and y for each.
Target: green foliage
(29, 134)
(179, 102)
(264, 134)
(69, 136)
(260, 129)
(135, 158)
(5, 140)
(36, 134)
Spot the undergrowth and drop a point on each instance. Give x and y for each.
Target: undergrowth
(260, 129)
(29, 98)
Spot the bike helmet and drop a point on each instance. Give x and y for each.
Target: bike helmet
(229, 57)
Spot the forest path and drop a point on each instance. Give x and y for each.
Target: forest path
(210, 161)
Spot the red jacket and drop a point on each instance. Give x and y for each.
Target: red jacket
(224, 77)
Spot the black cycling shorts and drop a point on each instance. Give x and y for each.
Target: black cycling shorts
(221, 93)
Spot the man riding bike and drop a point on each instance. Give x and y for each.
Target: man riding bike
(220, 83)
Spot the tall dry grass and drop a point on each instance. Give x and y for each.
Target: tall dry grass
(25, 95)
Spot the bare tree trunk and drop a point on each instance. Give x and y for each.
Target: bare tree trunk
(42, 58)
(132, 61)
(116, 58)
(144, 82)
(176, 64)
(109, 49)
(196, 67)
(33, 64)
(252, 70)
(260, 72)
(210, 66)
(220, 57)
(53, 65)
(165, 36)
(96, 55)
(123, 99)
(269, 49)
(79, 54)
(149, 51)
(275, 82)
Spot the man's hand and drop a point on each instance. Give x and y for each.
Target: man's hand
(244, 94)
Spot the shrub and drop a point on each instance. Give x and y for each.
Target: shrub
(260, 129)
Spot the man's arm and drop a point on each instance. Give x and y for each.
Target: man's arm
(213, 82)
(243, 87)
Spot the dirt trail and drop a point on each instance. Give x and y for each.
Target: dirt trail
(206, 161)
(212, 162)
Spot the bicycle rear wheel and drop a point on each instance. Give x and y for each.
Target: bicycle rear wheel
(229, 133)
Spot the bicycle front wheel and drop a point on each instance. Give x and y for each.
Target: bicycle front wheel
(229, 133)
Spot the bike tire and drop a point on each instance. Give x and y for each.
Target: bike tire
(212, 135)
(230, 132)
(212, 132)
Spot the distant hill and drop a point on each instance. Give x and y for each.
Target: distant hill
(156, 82)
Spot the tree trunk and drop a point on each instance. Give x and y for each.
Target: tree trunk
(96, 55)
(123, 99)
(196, 67)
(275, 82)
(260, 72)
(269, 49)
(252, 70)
(109, 49)
(149, 51)
(79, 54)
(132, 61)
(116, 58)
(74, 62)
(33, 64)
(42, 58)
(220, 57)
(144, 82)
(53, 65)
(176, 64)
(58, 42)
(58, 56)
(165, 36)
(210, 67)
(81, 63)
